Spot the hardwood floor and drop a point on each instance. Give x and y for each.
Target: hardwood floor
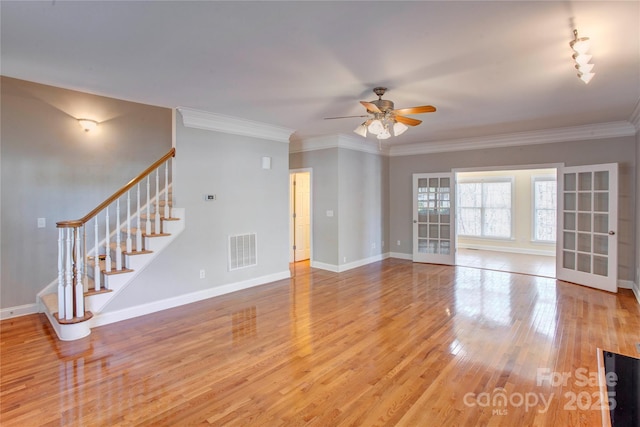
(537, 265)
(391, 343)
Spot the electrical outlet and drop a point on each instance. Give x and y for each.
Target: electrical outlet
(382, 245)
(398, 243)
(42, 222)
(202, 274)
(373, 245)
(344, 259)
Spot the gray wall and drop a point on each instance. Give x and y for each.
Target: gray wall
(637, 276)
(249, 199)
(363, 188)
(52, 169)
(617, 150)
(324, 198)
(355, 185)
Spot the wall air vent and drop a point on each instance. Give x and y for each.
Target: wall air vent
(243, 251)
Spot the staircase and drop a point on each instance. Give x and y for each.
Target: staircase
(101, 253)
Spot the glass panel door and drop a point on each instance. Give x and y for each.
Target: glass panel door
(433, 233)
(587, 216)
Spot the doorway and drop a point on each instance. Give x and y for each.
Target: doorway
(506, 220)
(300, 234)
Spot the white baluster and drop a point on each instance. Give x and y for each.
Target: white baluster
(83, 260)
(129, 245)
(68, 285)
(148, 222)
(139, 229)
(79, 289)
(107, 245)
(118, 238)
(96, 256)
(157, 223)
(167, 212)
(61, 272)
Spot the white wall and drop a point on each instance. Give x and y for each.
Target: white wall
(52, 169)
(249, 199)
(615, 150)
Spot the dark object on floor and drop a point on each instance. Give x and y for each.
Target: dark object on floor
(626, 387)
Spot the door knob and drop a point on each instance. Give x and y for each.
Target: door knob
(611, 233)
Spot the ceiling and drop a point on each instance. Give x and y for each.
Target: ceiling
(490, 68)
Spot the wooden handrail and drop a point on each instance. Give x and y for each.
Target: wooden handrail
(80, 222)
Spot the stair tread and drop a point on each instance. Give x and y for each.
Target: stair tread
(156, 235)
(142, 252)
(87, 315)
(92, 291)
(114, 271)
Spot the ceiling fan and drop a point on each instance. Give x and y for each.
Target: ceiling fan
(381, 116)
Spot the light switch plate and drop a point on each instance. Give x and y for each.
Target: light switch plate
(42, 222)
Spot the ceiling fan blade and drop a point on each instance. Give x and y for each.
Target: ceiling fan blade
(343, 117)
(371, 107)
(416, 110)
(408, 120)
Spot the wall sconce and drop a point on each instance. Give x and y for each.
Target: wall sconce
(580, 47)
(88, 124)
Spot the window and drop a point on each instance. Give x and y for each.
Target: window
(485, 208)
(544, 208)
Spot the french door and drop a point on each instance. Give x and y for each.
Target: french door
(587, 245)
(433, 218)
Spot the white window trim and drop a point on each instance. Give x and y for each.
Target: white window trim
(482, 180)
(534, 179)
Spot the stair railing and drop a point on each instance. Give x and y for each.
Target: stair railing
(74, 253)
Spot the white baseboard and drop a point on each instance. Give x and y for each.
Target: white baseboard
(361, 262)
(625, 284)
(106, 318)
(20, 310)
(324, 266)
(636, 291)
(507, 249)
(351, 265)
(400, 255)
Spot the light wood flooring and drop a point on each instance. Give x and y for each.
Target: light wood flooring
(390, 343)
(537, 265)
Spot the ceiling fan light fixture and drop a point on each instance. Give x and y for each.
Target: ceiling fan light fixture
(384, 134)
(399, 128)
(376, 127)
(361, 130)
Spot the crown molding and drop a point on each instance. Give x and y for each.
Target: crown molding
(635, 117)
(548, 136)
(233, 125)
(338, 141)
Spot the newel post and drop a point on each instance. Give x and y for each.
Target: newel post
(70, 288)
